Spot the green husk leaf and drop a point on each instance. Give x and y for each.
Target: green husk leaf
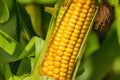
(117, 16)
(9, 75)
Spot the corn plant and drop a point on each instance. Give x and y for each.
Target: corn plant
(59, 40)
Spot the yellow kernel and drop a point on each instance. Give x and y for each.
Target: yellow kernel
(59, 52)
(69, 28)
(88, 2)
(73, 21)
(81, 36)
(68, 32)
(66, 19)
(51, 68)
(72, 42)
(88, 19)
(56, 43)
(64, 65)
(81, 19)
(67, 54)
(73, 38)
(57, 64)
(74, 16)
(56, 76)
(86, 6)
(50, 58)
(85, 27)
(50, 62)
(68, 77)
(64, 23)
(76, 13)
(61, 48)
(44, 69)
(83, 15)
(83, 31)
(79, 5)
(89, 15)
(60, 31)
(63, 44)
(58, 58)
(73, 57)
(50, 73)
(67, 36)
(76, 31)
(57, 38)
(66, 58)
(58, 20)
(72, 60)
(77, 45)
(84, 11)
(69, 50)
(65, 40)
(75, 53)
(90, 10)
(69, 72)
(55, 47)
(70, 68)
(56, 70)
(64, 62)
(67, 15)
(71, 64)
(63, 74)
(62, 27)
(57, 23)
(59, 35)
(76, 49)
(77, 9)
(79, 23)
(77, 26)
(63, 70)
(79, 40)
(45, 63)
(74, 34)
(71, 24)
(62, 78)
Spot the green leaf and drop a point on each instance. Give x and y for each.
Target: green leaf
(35, 12)
(113, 2)
(10, 27)
(25, 1)
(24, 67)
(29, 50)
(92, 44)
(4, 12)
(9, 75)
(9, 48)
(25, 24)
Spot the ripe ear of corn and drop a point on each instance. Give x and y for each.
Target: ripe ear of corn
(65, 41)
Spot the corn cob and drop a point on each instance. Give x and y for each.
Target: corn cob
(66, 40)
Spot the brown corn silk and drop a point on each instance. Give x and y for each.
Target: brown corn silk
(66, 39)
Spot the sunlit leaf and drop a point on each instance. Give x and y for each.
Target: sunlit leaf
(9, 48)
